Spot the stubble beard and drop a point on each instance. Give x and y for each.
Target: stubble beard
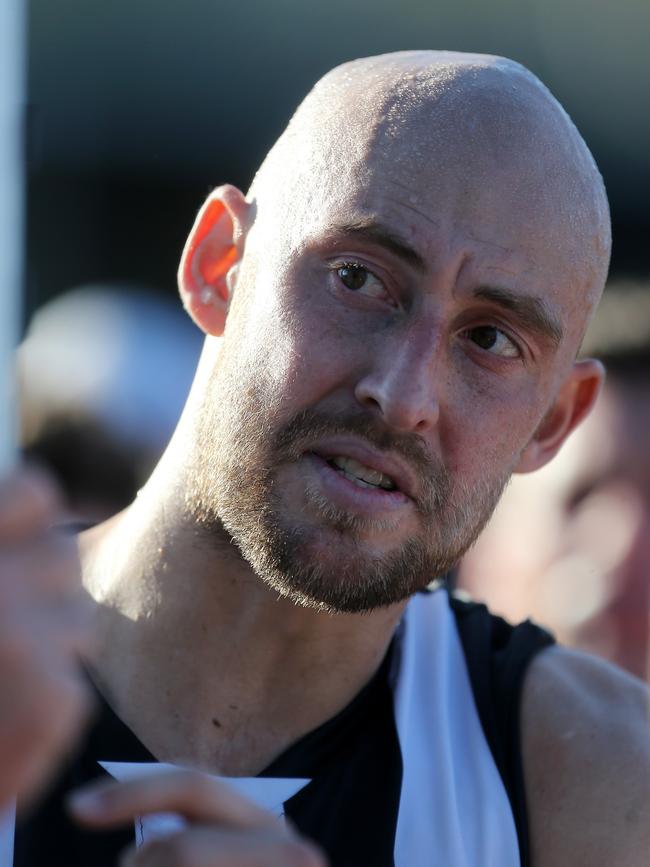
(319, 560)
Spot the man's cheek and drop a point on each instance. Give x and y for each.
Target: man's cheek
(305, 361)
(500, 413)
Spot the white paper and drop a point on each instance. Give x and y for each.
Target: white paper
(270, 793)
(7, 826)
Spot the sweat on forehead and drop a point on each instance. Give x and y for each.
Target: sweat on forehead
(434, 117)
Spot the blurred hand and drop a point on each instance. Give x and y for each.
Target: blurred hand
(43, 625)
(225, 830)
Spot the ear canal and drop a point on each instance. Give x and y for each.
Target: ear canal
(213, 270)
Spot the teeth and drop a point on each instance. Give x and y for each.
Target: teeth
(358, 472)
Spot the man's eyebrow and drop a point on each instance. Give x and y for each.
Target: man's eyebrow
(377, 233)
(532, 312)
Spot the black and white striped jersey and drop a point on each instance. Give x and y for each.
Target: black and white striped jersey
(421, 769)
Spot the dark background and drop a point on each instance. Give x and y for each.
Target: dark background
(137, 109)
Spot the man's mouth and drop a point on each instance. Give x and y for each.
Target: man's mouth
(360, 474)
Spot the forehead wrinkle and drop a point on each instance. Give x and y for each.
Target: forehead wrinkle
(411, 207)
(494, 244)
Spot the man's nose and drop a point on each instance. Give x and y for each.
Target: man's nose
(402, 385)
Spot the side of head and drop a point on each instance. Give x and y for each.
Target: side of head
(408, 282)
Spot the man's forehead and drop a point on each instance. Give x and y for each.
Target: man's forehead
(420, 234)
(422, 223)
(417, 118)
(430, 141)
(441, 165)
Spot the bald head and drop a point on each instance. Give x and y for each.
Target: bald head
(434, 120)
(415, 273)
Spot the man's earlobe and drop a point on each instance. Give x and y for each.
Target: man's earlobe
(211, 257)
(573, 403)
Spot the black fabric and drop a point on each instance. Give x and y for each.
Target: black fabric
(354, 761)
(498, 655)
(349, 808)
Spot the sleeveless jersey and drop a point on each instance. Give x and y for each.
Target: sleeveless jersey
(421, 769)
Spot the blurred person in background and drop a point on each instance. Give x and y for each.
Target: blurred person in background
(104, 372)
(569, 545)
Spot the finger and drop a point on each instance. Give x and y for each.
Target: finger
(28, 502)
(39, 636)
(196, 796)
(44, 721)
(44, 764)
(206, 847)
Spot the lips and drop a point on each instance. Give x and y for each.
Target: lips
(366, 466)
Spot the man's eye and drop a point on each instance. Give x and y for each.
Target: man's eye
(492, 339)
(356, 278)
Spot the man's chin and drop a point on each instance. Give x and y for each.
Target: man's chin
(330, 595)
(345, 576)
(354, 549)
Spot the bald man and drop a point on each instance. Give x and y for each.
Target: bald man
(392, 317)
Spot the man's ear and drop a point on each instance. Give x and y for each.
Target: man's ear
(211, 256)
(573, 403)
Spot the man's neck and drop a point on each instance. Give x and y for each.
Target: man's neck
(204, 662)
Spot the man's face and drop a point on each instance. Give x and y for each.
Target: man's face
(390, 351)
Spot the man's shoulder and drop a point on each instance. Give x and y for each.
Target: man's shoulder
(586, 747)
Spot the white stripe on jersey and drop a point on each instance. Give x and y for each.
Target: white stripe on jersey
(454, 810)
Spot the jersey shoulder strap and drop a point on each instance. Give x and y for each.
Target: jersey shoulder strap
(498, 655)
